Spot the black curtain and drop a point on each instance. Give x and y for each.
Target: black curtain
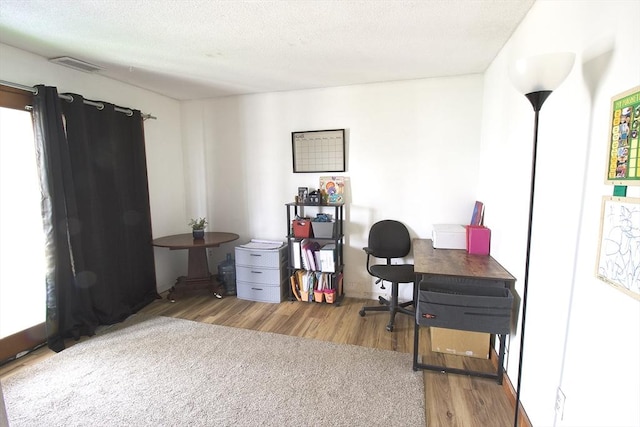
(100, 265)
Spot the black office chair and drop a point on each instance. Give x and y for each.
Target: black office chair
(389, 239)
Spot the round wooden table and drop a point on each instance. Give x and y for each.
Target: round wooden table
(198, 276)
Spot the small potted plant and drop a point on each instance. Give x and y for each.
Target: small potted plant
(198, 225)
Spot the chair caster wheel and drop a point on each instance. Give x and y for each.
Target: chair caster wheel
(361, 312)
(390, 328)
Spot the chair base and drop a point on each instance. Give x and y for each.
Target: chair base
(390, 306)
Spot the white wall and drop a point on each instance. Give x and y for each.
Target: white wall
(581, 334)
(163, 147)
(412, 155)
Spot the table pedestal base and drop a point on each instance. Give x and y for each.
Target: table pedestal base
(198, 277)
(185, 285)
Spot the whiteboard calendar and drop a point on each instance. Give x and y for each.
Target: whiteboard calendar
(318, 151)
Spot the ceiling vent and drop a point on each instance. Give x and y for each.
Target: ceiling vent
(76, 64)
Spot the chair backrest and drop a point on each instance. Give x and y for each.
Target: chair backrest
(389, 239)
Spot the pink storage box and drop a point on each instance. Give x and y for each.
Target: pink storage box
(478, 239)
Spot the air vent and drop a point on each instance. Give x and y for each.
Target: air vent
(76, 64)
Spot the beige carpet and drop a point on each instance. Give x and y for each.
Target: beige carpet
(169, 372)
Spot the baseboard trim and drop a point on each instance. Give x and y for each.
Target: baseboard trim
(510, 392)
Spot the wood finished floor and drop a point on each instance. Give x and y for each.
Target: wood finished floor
(450, 400)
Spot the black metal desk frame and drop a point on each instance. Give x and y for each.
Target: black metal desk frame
(498, 375)
(480, 267)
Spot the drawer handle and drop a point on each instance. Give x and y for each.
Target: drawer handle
(256, 289)
(255, 255)
(256, 272)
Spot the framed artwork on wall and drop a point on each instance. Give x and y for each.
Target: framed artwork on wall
(623, 155)
(318, 151)
(618, 262)
(332, 189)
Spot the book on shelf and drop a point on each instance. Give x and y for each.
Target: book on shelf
(304, 283)
(328, 258)
(310, 255)
(295, 288)
(477, 218)
(316, 258)
(304, 257)
(308, 248)
(311, 258)
(296, 255)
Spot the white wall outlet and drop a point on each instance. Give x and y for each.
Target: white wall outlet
(560, 398)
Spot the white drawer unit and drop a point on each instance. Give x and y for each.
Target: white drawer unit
(261, 275)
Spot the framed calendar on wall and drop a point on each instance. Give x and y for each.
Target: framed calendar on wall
(318, 151)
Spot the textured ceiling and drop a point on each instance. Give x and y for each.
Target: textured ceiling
(192, 49)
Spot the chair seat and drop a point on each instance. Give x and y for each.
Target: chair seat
(398, 273)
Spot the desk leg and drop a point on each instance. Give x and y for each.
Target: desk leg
(416, 326)
(503, 338)
(416, 344)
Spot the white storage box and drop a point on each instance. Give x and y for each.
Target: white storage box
(449, 236)
(323, 230)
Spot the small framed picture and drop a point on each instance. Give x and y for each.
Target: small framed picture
(303, 194)
(332, 189)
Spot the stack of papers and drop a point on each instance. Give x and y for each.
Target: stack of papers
(265, 245)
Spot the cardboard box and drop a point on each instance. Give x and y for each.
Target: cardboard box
(449, 236)
(460, 343)
(478, 239)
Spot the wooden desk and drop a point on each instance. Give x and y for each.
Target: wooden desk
(456, 262)
(198, 276)
(457, 265)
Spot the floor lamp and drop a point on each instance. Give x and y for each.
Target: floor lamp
(535, 77)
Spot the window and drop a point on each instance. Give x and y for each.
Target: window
(22, 261)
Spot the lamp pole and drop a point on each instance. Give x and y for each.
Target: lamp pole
(536, 77)
(537, 99)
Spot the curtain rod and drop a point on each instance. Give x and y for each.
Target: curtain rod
(69, 98)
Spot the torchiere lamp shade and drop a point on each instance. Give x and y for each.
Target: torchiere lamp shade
(541, 72)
